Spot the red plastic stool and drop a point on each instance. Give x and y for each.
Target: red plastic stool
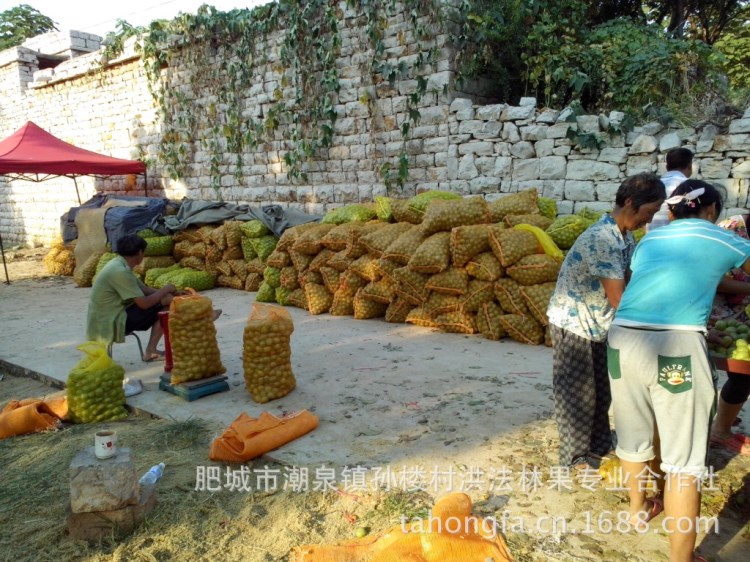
(164, 322)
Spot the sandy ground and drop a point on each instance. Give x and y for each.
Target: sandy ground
(265, 526)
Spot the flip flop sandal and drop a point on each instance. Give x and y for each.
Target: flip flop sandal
(738, 444)
(698, 558)
(155, 357)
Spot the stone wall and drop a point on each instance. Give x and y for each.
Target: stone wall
(457, 145)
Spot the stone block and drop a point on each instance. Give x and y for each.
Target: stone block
(534, 132)
(580, 191)
(560, 130)
(669, 141)
(641, 164)
(588, 123)
(102, 485)
(437, 144)
(512, 113)
(592, 170)
(485, 165)
(460, 104)
(739, 126)
(607, 190)
(490, 129)
(490, 112)
(503, 167)
(527, 101)
(470, 126)
(526, 169)
(548, 116)
(741, 170)
(510, 132)
(653, 128)
(433, 115)
(598, 206)
(482, 148)
(523, 150)
(613, 155)
(643, 144)
(93, 526)
(739, 142)
(706, 139)
(554, 189)
(715, 168)
(484, 185)
(552, 167)
(544, 147)
(467, 170)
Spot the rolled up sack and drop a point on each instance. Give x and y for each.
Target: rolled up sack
(247, 437)
(20, 417)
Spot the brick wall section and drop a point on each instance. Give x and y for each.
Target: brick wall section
(458, 145)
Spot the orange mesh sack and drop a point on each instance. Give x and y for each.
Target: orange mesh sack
(288, 278)
(536, 220)
(488, 321)
(523, 329)
(433, 255)
(231, 281)
(445, 215)
(485, 267)
(297, 298)
(366, 308)
(309, 277)
(340, 261)
(343, 302)
(478, 293)
(385, 268)
(458, 322)
(288, 237)
(468, 241)
(192, 337)
(300, 261)
(233, 232)
(253, 282)
(521, 203)
(354, 248)
(331, 278)
(508, 294)
(453, 281)
(365, 267)
(255, 265)
(398, 310)
(378, 241)
(402, 248)
(337, 238)
(239, 268)
(267, 353)
(537, 299)
(534, 269)
(232, 253)
(510, 245)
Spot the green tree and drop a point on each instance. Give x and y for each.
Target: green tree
(20, 23)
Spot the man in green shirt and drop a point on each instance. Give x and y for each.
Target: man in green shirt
(120, 303)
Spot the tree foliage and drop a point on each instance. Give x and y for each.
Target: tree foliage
(21, 22)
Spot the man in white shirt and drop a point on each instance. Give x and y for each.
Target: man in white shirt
(679, 168)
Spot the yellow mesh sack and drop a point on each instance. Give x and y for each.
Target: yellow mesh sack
(521, 203)
(438, 303)
(288, 278)
(351, 282)
(458, 322)
(445, 215)
(419, 317)
(411, 285)
(309, 242)
(300, 261)
(290, 235)
(433, 255)
(535, 220)
(267, 353)
(508, 294)
(297, 298)
(478, 293)
(537, 299)
(485, 267)
(452, 281)
(366, 308)
(321, 260)
(378, 241)
(193, 263)
(256, 265)
(488, 321)
(403, 212)
(197, 249)
(310, 277)
(204, 233)
(523, 329)
(180, 249)
(189, 235)
(340, 261)
(331, 278)
(398, 310)
(337, 238)
(382, 291)
(192, 337)
(253, 282)
(278, 258)
(467, 242)
(233, 233)
(218, 237)
(534, 269)
(231, 281)
(239, 268)
(385, 268)
(354, 249)
(510, 245)
(343, 302)
(319, 299)
(85, 274)
(548, 336)
(402, 248)
(365, 267)
(224, 268)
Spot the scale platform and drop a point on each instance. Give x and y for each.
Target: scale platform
(192, 390)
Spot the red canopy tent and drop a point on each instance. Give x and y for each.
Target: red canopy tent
(33, 154)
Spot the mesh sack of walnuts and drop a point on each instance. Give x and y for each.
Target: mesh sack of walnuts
(264, 246)
(282, 295)
(343, 302)
(278, 258)
(508, 294)
(297, 298)
(248, 251)
(218, 237)
(378, 241)
(488, 321)
(419, 317)
(446, 215)
(349, 213)
(364, 266)
(523, 329)
(385, 268)
(152, 262)
(458, 322)
(254, 229)
(266, 293)
(153, 274)
(355, 249)
(548, 207)
(521, 203)
(300, 261)
(204, 232)
(272, 276)
(232, 253)
(192, 337)
(331, 278)
(381, 291)
(188, 234)
(565, 230)
(197, 249)
(309, 277)
(537, 299)
(510, 245)
(253, 282)
(337, 237)
(321, 260)
(256, 266)
(452, 281)
(485, 267)
(267, 353)
(534, 269)
(319, 299)
(402, 248)
(231, 281)
(402, 212)
(309, 242)
(84, 274)
(433, 255)
(224, 268)
(94, 388)
(193, 263)
(351, 282)
(468, 241)
(438, 303)
(233, 232)
(412, 286)
(365, 308)
(398, 310)
(340, 261)
(288, 278)
(239, 268)
(537, 220)
(548, 336)
(479, 292)
(420, 201)
(180, 249)
(159, 246)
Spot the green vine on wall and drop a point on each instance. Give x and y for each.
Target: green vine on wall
(202, 69)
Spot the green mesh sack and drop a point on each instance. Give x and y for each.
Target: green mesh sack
(159, 246)
(547, 207)
(272, 276)
(166, 277)
(402, 212)
(383, 208)
(282, 295)
(190, 278)
(265, 293)
(104, 260)
(264, 246)
(153, 274)
(248, 250)
(254, 229)
(565, 230)
(349, 213)
(419, 202)
(150, 262)
(94, 388)
(147, 233)
(590, 214)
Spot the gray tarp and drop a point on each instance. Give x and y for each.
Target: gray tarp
(192, 212)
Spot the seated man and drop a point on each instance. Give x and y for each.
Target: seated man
(120, 303)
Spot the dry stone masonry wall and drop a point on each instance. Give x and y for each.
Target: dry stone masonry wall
(457, 144)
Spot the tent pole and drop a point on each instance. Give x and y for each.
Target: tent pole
(145, 183)
(5, 265)
(77, 194)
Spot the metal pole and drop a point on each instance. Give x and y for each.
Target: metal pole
(145, 183)
(7, 278)
(77, 194)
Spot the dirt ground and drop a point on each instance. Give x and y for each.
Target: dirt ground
(265, 525)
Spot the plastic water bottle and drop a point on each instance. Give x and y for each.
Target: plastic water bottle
(153, 474)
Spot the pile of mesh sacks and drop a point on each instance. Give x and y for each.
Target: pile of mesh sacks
(437, 260)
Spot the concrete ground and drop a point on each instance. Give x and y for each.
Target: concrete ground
(390, 394)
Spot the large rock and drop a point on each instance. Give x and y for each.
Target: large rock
(527, 169)
(714, 168)
(467, 170)
(548, 116)
(613, 155)
(102, 485)
(643, 144)
(523, 150)
(706, 140)
(741, 170)
(591, 170)
(552, 167)
(490, 112)
(669, 141)
(580, 191)
(588, 123)
(518, 113)
(607, 191)
(477, 147)
(641, 164)
(739, 126)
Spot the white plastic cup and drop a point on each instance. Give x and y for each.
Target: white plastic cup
(105, 444)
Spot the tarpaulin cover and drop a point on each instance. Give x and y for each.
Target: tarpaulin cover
(32, 150)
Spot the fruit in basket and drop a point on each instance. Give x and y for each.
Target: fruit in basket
(741, 351)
